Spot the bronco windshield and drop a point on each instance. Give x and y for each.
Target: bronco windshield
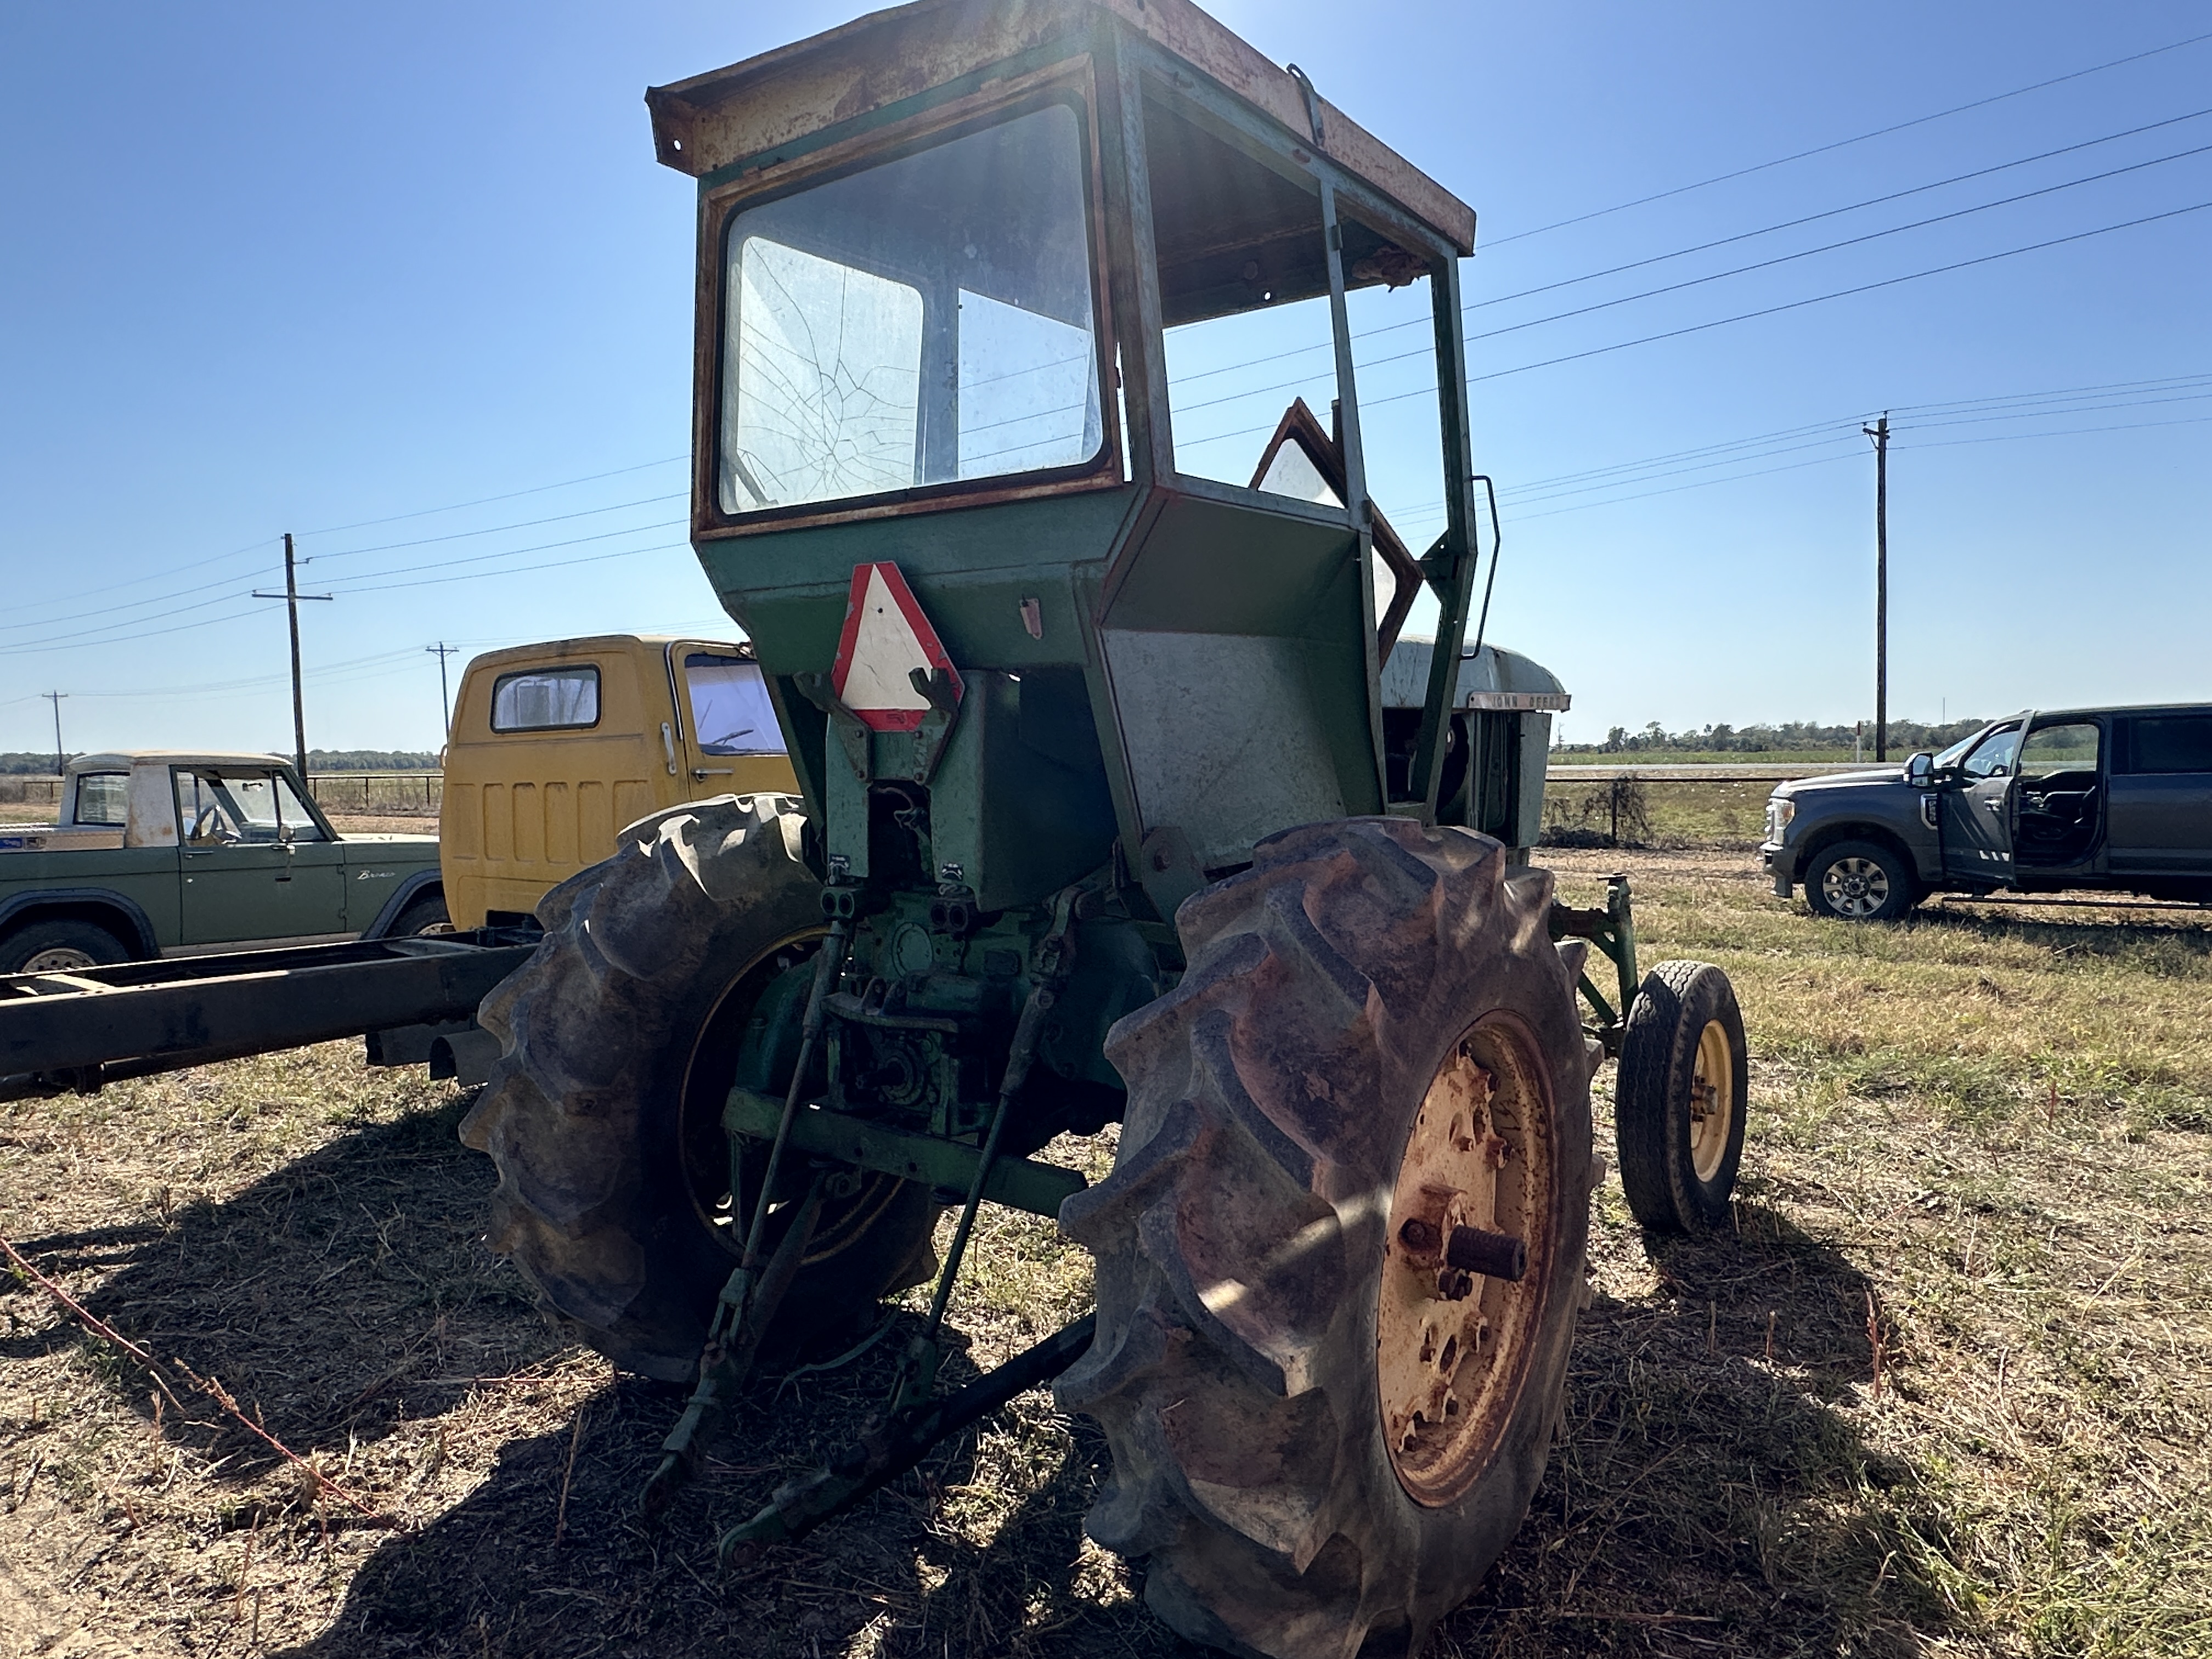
(925, 321)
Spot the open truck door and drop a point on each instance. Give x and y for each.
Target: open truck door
(1978, 808)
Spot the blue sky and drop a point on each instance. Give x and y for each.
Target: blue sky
(277, 267)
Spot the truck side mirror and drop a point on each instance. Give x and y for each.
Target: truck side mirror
(1920, 771)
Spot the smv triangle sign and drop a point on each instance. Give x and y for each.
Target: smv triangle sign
(886, 637)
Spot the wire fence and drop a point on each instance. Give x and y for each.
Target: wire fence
(361, 794)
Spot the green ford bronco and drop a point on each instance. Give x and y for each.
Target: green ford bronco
(161, 853)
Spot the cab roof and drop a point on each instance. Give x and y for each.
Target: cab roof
(545, 651)
(728, 115)
(122, 760)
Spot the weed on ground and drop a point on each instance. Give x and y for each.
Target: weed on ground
(1941, 1389)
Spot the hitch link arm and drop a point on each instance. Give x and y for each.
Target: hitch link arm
(750, 1299)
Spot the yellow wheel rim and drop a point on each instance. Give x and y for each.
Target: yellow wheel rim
(1712, 1100)
(1451, 1346)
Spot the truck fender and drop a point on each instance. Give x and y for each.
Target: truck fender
(121, 916)
(409, 891)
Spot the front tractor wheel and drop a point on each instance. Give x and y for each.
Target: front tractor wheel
(1679, 1098)
(1340, 1255)
(622, 1037)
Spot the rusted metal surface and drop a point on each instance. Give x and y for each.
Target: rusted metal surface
(1456, 1306)
(140, 1017)
(748, 109)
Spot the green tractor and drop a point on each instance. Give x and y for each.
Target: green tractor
(1107, 818)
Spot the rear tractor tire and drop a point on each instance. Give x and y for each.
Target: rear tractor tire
(1329, 1394)
(620, 1040)
(1680, 1097)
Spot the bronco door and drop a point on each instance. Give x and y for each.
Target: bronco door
(1977, 814)
(257, 865)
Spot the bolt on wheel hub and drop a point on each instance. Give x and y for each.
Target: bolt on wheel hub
(1712, 1100)
(1464, 1280)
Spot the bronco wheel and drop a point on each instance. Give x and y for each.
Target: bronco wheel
(1859, 881)
(620, 1038)
(1678, 1097)
(59, 947)
(1341, 1254)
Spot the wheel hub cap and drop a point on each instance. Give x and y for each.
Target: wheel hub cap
(61, 959)
(1452, 1343)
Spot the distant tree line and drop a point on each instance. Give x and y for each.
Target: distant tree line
(1905, 737)
(41, 762)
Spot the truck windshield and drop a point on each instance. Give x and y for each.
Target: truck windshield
(924, 321)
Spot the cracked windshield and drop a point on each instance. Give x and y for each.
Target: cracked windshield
(924, 321)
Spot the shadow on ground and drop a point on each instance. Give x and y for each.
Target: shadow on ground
(344, 1289)
(1709, 1496)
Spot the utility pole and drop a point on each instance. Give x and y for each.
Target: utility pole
(292, 596)
(55, 698)
(1879, 433)
(441, 651)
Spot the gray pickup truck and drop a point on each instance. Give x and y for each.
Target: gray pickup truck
(2113, 798)
(164, 853)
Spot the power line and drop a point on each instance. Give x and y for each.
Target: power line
(1841, 429)
(525, 524)
(1829, 213)
(555, 564)
(1743, 316)
(1839, 294)
(1718, 275)
(1843, 143)
(2066, 431)
(351, 584)
(485, 501)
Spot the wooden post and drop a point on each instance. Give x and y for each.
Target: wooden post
(1879, 433)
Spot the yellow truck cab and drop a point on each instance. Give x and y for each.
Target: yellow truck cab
(555, 747)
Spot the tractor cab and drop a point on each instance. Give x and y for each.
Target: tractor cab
(1057, 309)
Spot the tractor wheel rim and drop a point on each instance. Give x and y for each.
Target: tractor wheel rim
(1712, 1100)
(1453, 1347)
(1856, 887)
(856, 1198)
(58, 959)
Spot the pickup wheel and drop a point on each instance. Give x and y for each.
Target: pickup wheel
(60, 946)
(621, 1039)
(426, 914)
(1859, 881)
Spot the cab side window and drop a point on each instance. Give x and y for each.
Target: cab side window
(731, 713)
(2170, 743)
(204, 813)
(221, 808)
(2054, 749)
(102, 797)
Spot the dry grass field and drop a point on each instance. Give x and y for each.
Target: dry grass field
(1944, 1390)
